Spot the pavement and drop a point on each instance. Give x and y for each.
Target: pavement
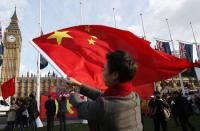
(56, 122)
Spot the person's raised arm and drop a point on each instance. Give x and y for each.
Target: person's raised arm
(84, 89)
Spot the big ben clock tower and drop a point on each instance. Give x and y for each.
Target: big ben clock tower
(12, 49)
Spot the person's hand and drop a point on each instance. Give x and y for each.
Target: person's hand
(74, 98)
(73, 84)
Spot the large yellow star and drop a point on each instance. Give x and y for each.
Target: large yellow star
(59, 35)
(91, 41)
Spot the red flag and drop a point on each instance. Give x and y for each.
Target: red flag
(80, 53)
(8, 88)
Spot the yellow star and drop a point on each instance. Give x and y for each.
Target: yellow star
(59, 35)
(87, 28)
(69, 107)
(91, 41)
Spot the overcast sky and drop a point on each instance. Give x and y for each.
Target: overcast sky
(57, 14)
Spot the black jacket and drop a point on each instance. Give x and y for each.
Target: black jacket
(50, 107)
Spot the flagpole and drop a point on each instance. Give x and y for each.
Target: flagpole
(193, 33)
(194, 39)
(38, 60)
(143, 26)
(114, 17)
(81, 12)
(170, 35)
(198, 55)
(179, 75)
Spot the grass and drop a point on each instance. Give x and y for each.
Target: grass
(148, 125)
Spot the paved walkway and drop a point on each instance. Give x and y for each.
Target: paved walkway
(56, 122)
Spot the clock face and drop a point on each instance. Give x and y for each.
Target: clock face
(11, 38)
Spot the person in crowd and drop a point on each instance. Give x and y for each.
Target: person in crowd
(12, 115)
(21, 116)
(118, 108)
(197, 102)
(173, 111)
(50, 113)
(157, 106)
(182, 107)
(62, 110)
(33, 112)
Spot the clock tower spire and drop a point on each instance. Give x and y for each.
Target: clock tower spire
(12, 49)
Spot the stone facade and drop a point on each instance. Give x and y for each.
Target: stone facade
(12, 48)
(28, 84)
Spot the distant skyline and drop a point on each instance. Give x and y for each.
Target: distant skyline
(61, 14)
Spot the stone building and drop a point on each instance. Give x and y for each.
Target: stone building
(27, 84)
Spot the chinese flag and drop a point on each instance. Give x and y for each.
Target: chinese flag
(8, 88)
(80, 52)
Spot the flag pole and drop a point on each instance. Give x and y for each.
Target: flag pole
(38, 60)
(194, 40)
(144, 34)
(114, 17)
(179, 75)
(170, 35)
(193, 33)
(198, 55)
(81, 12)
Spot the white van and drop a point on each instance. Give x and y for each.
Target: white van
(4, 106)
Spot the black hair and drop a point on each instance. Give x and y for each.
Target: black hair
(121, 62)
(156, 93)
(63, 98)
(32, 96)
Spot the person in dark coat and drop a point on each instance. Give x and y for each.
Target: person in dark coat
(33, 112)
(116, 109)
(62, 110)
(182, 107)
(156, 106)
(50, 113)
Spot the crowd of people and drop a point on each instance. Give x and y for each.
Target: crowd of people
(181, 107)
(23, 113)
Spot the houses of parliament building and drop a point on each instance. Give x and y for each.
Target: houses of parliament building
(27, 84)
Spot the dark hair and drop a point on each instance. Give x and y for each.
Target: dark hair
(63, 98)
(32, 96)
(156, 93)
(177, 93)
(121, 62)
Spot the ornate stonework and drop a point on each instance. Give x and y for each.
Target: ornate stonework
(12, 49)
(27, 84)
